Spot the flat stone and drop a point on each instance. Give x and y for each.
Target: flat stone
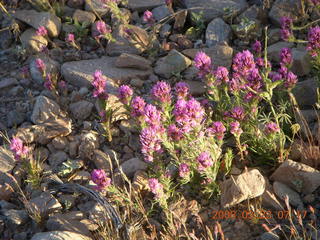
(217, 32)
(142, 5)
(57, 158)
(197, 88)
(7, 161)
(89, 142)
(44, 109)
(16, 217)
(75, 3)
(269, 199)
(174, 62)
(51, 66)
(282, 190)
(15, 118)
(102, 160)
(45, 204)
(161, 12)
(288, 8)
(32, 42)
(37, 19)
(132, 165)
(126, 60)
(96, 6)
(305, 93)
(59, 235)
(180, 20)
(215, 8)
(84, 17)
(301, 65)
(81, 110)
(297, 176)
(7, 83)
(247, 185)
(6, 191)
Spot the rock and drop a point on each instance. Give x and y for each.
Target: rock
(165, 30)
(141, 5)
(289, 8)
(216, 8)
(197, 88)
(125, 44)
(80, 73)
(309, 199)
(305, 93)
(7, 161)
(102, 160)
(32, 42)
(57, 158)
(59, 235)
(247, 185)
(217, 31)
(45, 204)
(51, 66)
(301, 65)
(253, 13)
(180, 20)
(126, 60)
(15, 118)
(275, 49)
(136, 82)
(84, 17)
(5, 191)
(81, 110)
(269, 199)
(15, 218)
(221, 55)
(89, 142)
(7, 83)
(269, 236)
(97, 6)
(274, 36)
(140, 181)
(37, 19)
(44, 109)
(6, 39)
(298, 176)
(59, 143)
(281, 190)
(132, 165)
(174, 62)
(161, 12)
(75, 3)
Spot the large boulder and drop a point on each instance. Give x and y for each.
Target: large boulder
(32, 42)
(217, 32)
(289, 8)
(142, 5)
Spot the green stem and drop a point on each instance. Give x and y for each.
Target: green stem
(306, 26)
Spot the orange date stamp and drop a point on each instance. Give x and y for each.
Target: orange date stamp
(246, 214)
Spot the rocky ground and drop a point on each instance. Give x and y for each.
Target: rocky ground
(67, 129)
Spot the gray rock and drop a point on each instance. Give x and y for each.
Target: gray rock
(217, 31)
(269, 236)
(51, 66)
(15, 118)
(89, 142)
(132, 165)
(301, 65)
(102, 160)
(141, 5)
(96, 6)
(136, 82)
(80, 73)
(7, 83)
(32, 42)
(289, 8)
(174, 62)
(180, 20)
(16, 218)
(59, 143)
(197, 88)
(126, 60)
(45, 204)
(44, 109)
(57, 158)
(84, 17)
(161, 12)
(298, 176)
(275, 49)
(6, 39)
(247, 185)
(215, 8)
(282, 190)
(36, 19)
(125, 44)
(81, 110)
(7, 161)
(165, 30)
(59, 235)
(305, 93)
(75, 3)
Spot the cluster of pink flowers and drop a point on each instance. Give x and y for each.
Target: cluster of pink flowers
(125, 94)
(174, 132)
(148, 17)
(314, 41)
(18, 148)
(40, 65)
(70, 38)
(256, 47)
(137, 107)
(99, 177)
(235, 128)
(290, 79)
(150, 143)
(204, 160)
(316, 2)
(217, 129)
(286, 28)
(221, 75)
(156, 188)
(184, 170)
(48, 84)
(42, 31)
(99, 83)
(203, 63)
(161, 92)
(181, 90)
(271, 127)
(102, 29)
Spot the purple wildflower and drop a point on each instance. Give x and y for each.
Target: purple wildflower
(286, 28)
(125, 93)
(102, 28)
(42, 31)
(243, 62)
(99, 83)
(316, 2)
(48, 84)
(313, 46)
(274, 76)
(137, 105)
(182, 90)
(62, 84)
(155, 187)
(204, 160)
(237, 113)
(70, 38)
(99, 177)
(168, 2)
(235, 128)
(174, 132)
(290, 80)
(285, 57)
(184, 170)
(150, 142)
(217, 129)
(40, 65)
(222, 75)
(271, 127)
(17, 147)
(203, 63)
(161, 92)
(256, 47)
(152, 116)
(148, 17)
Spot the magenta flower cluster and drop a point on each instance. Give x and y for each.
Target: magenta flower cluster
(99, 177)
(148, 17)
(161, 92)
(150, 143)
(18, 148)
(271, 127)
(102, 29)
(181, 90)
(40, 65)
(99, 84)
(125, 94)
(184, 170)
(217, 129)
(156, 188)
(313, 46)
(204, 161)
(42, 31)
(203, 63)
(286, 28)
